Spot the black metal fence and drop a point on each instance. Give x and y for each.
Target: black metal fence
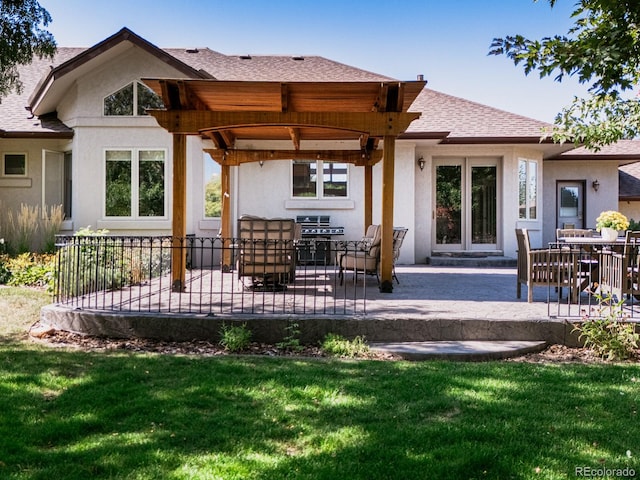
(201, 275)
(588, 279)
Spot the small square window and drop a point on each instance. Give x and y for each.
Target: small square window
(15, 164)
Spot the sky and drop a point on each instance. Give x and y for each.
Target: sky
(447, 41)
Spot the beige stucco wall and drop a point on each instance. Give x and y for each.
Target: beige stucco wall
(606, 198)
(507, 192)
(82, 109)
(16, 190)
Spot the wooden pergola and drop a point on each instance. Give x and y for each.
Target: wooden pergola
(228, 111)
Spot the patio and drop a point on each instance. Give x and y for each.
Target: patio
(429, 303)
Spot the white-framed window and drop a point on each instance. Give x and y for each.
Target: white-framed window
(135, 183)
(527, 189)
(14, 164)
(132, 99)
(319, 179)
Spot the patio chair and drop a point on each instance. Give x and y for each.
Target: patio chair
(620, 272)
(398, 238)
(542, 267)
(573, 232)
(267, 251)
(365, 257)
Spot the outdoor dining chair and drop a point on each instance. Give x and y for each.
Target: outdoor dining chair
(552, 267)
(620, 272)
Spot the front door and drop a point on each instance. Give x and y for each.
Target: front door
(570, 210)
(466, 204)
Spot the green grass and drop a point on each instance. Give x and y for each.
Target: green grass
(68, 414)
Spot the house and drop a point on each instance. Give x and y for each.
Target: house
(466, 174)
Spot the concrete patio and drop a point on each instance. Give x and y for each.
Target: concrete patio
(431, 303)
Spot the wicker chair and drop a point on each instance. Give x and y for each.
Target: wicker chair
(542, 267)
(365, 257)
(267, 250)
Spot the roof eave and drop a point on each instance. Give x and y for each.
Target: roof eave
(122, 35)
(31, 135)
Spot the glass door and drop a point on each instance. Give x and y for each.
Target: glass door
(466, 204)
(448, 214)
(570, 212)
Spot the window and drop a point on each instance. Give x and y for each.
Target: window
(528, 189)
(212, 188)
(135, 183)
(319, 179)
(14, 164)
(128, 100)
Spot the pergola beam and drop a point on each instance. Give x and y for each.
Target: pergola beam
(196, 122)
(238, 157)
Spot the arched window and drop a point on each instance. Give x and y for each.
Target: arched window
(128, 100)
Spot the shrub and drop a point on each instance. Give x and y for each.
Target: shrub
(235, 338)
(291, 340)
(30, 270)
(339, 346)
(607, 334)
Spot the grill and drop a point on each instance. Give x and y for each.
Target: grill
(315, 246)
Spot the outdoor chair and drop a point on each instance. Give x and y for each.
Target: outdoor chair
(620, 272)
(267, 251)
(365, 257)
(573, 232)
(551, 267)
(398, 238)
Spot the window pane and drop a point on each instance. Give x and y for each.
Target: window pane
(15, 164)
(449, 204)
(120, 102)
(334, 179)
(484, 225)
(569, 201)
(118, 184)
(151, 183)
(522, 189)
(147, 98)
(532, 189)
(212, 189)
(305, 175)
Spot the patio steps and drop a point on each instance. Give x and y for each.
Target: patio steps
(461, 350)
(489, 261)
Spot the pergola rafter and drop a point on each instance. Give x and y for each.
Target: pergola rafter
(225, 112)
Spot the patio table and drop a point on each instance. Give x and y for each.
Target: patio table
(589, 250)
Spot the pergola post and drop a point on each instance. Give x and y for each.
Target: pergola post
(386, 244)
(225, 216)
(368, 196)
(179, 213)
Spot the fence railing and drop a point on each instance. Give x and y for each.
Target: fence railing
(587, 279)
(216, 275)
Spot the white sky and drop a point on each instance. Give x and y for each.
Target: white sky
(446, 40)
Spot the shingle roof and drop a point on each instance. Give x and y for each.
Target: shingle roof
(621, 150)
(272, 67)
(629, 181)
(467, 121)
(15, 119)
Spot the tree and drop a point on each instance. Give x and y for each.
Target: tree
(602, 49)
(22, 37)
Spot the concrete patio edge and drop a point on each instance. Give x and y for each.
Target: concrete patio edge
(272, 328)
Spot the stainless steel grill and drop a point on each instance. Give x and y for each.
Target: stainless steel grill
(315, 246)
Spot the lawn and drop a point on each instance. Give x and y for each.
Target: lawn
(69, 414)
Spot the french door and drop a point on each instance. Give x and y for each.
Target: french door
(466, 204)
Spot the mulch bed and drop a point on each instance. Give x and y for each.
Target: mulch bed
(57, 338)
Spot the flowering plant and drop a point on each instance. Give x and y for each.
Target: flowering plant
(612, 219)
